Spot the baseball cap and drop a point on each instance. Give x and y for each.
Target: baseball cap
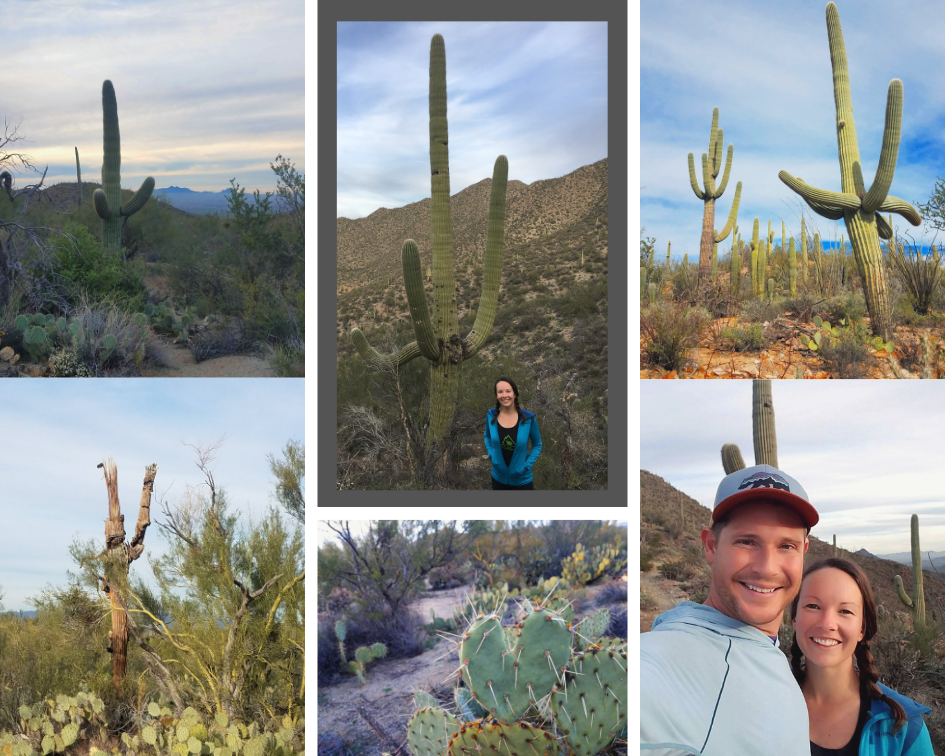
(763, 482)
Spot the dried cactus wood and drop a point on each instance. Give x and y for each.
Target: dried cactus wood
(117, 557)
(711, 165)
(438, 339)
(858, 207)
(762, 423)
(107, 200)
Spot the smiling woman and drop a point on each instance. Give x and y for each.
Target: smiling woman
(509, 430)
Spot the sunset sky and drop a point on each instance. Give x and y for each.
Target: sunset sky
(206, 91)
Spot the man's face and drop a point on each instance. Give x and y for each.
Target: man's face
(757, 562)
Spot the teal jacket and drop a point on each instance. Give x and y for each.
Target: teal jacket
(519, 472)
(879, 738)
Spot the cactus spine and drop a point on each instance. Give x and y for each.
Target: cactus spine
(858, 206)
(711, 165)
(916, 602)
(438, 340)
(762, 422)
(107, 200)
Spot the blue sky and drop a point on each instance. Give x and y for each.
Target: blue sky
(207, 91)
(868, 453)
(534, 92)
(56, 432)
(766, 66)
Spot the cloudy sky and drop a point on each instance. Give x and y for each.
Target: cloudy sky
(868, 453)
(766, 66)
(56, 432)
(534, 92)
(207, 91)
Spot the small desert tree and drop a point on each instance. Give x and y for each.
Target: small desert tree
(290, 479)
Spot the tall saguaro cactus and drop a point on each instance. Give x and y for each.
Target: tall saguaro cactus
(438, 339)
(858, 207)
(117, 558)
(762, 423)
(107, 200)
(916, 602)
(711, 165)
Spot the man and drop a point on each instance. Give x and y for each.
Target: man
(712, 678)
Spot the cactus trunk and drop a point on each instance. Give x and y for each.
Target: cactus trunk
(762, 417)
(916, 602)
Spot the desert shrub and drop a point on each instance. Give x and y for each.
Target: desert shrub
(92, 273)
(850, 306)
(92, 341)
(647, 602)
(288, 359)
(218, 342)
(748, 339)
(668, 330)
(272, 309)
(921, 275)
(678, 569)
(582, 299)
(763, 311)
(846, 356)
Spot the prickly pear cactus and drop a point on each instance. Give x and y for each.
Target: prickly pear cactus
(489, 738)
(509, 680)
(592, 709)
(429, 730)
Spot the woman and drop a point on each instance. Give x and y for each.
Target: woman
(834, 619)
(509, 428)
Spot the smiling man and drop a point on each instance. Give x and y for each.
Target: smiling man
(712, 678)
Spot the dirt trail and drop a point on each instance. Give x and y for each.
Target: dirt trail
(180, 363)
(388, 694)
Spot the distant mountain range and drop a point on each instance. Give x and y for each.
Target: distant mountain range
(201, 203)
(930, 559)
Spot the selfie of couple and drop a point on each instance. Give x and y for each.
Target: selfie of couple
(713, 678)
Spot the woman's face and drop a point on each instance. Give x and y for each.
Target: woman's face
(504, 394)
(829, 620)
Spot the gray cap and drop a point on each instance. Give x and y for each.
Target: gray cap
(767, 483)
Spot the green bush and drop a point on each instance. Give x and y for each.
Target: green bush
(749, 339)
(92, 273)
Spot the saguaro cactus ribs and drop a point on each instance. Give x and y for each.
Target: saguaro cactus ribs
(107, 200)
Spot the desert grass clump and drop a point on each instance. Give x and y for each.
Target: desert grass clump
(846, 356)
(750, 339)
(107, 339)
(669, 329)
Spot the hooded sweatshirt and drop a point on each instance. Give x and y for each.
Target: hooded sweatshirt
(712, 685)
(880, 738)
(519, 472)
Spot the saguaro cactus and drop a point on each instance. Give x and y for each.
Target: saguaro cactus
(78, 173)
(107, 200)
(916, 602)
(711, 165)
(762, 423)
(860, 208)
(118, 556)
(438, 341)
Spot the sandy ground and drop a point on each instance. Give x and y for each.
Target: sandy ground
(181, 364)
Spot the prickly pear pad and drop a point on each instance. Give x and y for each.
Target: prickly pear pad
(594, 709)
(429, 730)
(481, 738)
(509, 681)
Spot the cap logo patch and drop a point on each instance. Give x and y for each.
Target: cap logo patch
(764, 480)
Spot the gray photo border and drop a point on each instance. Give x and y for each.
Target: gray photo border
(616, 16)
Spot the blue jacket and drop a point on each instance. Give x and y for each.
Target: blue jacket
(880, 739)
(520, 471)
(714, 686)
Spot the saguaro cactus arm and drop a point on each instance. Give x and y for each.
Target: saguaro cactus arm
(732, 459)
(417, 301)
(733, 214)
(485, 315)
(370, 355)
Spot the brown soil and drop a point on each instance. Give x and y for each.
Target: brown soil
(180, 363)
(388, 694)
(786, 354)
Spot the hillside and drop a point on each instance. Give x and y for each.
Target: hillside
(673, 568)
(550, 328)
